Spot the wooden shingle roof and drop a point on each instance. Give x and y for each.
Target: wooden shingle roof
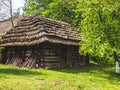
(36, 29)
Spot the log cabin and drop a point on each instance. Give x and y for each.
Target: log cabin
(38, 41)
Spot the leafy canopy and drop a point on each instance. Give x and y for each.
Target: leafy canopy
(97, 20)
(100, 27)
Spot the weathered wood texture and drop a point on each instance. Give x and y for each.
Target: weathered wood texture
(72, 54)
(36, 29)
(38, 41)
(20, 57)
(51, 56)
(46, 55)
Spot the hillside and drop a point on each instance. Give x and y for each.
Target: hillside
(92, 77)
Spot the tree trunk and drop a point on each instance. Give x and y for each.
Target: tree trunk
(87, 59)
(115, 56)
(11, 13)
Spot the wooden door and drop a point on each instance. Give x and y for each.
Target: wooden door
(63, 55)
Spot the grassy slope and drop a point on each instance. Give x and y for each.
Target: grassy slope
(93, 77)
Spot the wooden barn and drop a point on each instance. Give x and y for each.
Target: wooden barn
(38, 41)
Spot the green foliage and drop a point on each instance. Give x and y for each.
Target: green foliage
(97, 20)
(64, 10)
(1, 48)
(100, 77)
(36, 6)
(100, 27)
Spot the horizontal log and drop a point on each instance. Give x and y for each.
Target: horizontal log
(51, 61)
(48, 60)
(50, 51)
(72, 54)
(72, 57)
(28, 51)
(49, 57)
(56, 56)
(27, 54)
(69, 59)
(72, 60)
(49, 48)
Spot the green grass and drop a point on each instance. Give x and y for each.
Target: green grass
(92, 77)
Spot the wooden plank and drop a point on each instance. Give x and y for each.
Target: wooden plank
(51, 60)
(74, 56)
(51, 56)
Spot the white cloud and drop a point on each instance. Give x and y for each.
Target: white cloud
(17, 3)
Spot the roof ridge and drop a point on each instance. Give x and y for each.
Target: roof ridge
(50, 19)
(30, 29)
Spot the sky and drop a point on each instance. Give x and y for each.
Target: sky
(18, 4)
(4, 10)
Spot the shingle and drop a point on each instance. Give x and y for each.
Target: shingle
(33, 30)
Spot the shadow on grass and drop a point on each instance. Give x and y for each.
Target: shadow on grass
(97, 70)
(113, 77)
(21, 72)
(87, 69)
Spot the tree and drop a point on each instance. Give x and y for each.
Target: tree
(7, 11)
(100, 28)
(36, 6)
(4, 9)
(97, 20)
(64, 10)
(11, 13)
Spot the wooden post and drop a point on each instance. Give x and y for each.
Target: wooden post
(117, 67)
(11, 13)
(115, 56)
(87, 59)
(4, 53)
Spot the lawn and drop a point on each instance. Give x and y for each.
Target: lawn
(92, 77)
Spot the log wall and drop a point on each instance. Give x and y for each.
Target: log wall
(3, 56)
(51, 56)
(72, 56)
(46, 55)
(40, 57)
